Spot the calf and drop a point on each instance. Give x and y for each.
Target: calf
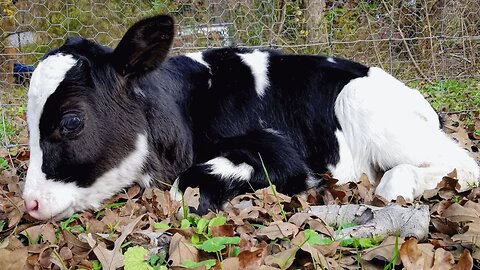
(102, 119)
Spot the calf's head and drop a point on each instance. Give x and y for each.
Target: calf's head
(88, 133)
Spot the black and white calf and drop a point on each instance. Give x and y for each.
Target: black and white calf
(102, 119)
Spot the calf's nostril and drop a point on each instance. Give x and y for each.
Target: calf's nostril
(31, 205)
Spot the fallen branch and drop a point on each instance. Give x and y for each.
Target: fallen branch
(376, 221)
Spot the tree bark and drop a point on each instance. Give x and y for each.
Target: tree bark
(314, 11)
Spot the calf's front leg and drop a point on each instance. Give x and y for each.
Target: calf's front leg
(236, 168)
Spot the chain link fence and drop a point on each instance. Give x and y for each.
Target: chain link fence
(433, 42)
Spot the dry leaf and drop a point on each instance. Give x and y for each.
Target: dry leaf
(283, 259)
(266, 196)
(181, 250)
(384, 251)
(45, 231)
(111, 259)
(231, 263)
(413, 258)
(443, 260)
(223, 230)
(471, 235)
(278, 229)
(458, 213)
(13, 260)
(192, 197)
(465, 262)
(251, 259)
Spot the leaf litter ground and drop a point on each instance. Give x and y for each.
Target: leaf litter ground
(147, 229)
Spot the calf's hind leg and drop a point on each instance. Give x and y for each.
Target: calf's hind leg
(411, 180)
(392, 128)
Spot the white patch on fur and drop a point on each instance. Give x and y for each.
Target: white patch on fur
(58, 200)
(258, 63)
(198, 57)
(45, 80)
(331, 60)
(391, 127)
(175, 192)
(344, 170)
(224, 168)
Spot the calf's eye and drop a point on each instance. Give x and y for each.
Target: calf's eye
(70, 122)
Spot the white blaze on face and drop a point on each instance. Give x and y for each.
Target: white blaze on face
(57, 199)
(45, 79)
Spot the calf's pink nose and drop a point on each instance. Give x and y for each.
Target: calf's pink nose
(31, 205)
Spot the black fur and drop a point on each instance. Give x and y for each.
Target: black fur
(193, 114)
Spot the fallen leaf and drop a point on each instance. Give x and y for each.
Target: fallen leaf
(300, 218)
(470, 235)
(443, 260)
(45, 231)
(278, 229)
(13, 260)
(110, 259)
(192, 197)
(384, 251)
(14, 209)
(412, 258)
(444, 226)
(223, 230)
(465, 262)
(231, 263)
(283, 259)
(65, 253)
(267, 196)
(181, 250)
(251, 259)
(459, 213)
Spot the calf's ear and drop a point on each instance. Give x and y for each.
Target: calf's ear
(144, 46)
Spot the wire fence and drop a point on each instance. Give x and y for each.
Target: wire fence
(418, 41)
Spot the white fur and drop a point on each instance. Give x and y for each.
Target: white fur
(45, 79)
(226, 169)
(331, 60)
(258, 63)
(390, 127)
(344, 170)
(59, 199)
(175, 192)
(198, 56)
